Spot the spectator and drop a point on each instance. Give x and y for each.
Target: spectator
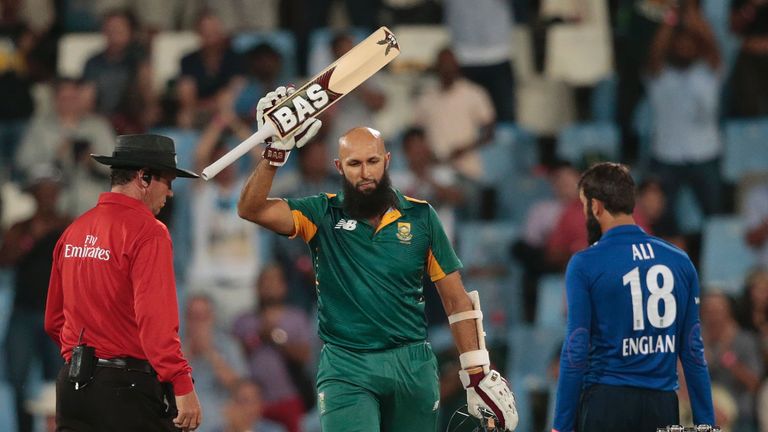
(732, 354)
(683, 90)
(205, 73)
(16, 105)
(753, 308)
(749, 19)
(755, 214)
(429, 180)
(568, 235)
(457, 116)
(542, 220)
(313, 174)
(635, 25)
(358, 107)
(235, 15)
(263, 69)
(65, 138)
(481, 31)
(244, 411)
(213, 354)
(119, 79)
(28, 248)
(225, 253)
(650, 206)
(277, 341)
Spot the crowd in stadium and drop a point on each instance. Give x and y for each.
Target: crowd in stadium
(491, 113)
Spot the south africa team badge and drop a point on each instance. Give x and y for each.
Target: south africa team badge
(404, 231)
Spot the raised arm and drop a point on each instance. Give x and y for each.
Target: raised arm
(695, 22)
(254, 205)
(661, 44)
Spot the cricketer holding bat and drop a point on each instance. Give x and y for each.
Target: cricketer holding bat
(371, 246)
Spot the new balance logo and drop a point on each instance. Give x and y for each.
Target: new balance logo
(348, 225)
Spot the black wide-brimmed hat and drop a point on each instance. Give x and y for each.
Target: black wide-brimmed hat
(144, 151)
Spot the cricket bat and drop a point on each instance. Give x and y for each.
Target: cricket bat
(314, 97)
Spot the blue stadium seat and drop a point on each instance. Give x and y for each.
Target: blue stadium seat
(550, 303)
(585, 143)
(689, 216)
(604, 96)
(520, 195)
(7, 411)
(531, 351)
(513, 152)
(282, 41)
(725, 257)
(745, 148)
(485, 244)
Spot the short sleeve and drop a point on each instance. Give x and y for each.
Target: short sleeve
(307, 213)
(442, 259)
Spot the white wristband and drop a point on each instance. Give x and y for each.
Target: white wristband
(474, 358)
(461, 316)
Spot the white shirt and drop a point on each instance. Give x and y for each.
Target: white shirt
(684, 106)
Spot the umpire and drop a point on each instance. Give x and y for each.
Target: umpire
(112, 305)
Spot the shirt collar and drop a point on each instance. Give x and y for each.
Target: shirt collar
(124, 200)
(622, 230)
(402, 203)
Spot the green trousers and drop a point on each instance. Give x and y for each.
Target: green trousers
(394, 390)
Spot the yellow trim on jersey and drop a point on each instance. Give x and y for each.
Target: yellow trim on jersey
(415, 200)
(330, 195)
(433, 268)
(303, 226)
(388, 218)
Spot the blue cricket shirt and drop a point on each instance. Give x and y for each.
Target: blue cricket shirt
(633, 308)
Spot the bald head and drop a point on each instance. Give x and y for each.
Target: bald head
(363, 157)
(360, 137)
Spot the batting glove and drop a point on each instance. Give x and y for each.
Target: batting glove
(277, 151)
(489, 391)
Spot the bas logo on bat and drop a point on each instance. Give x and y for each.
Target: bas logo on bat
(303, 104)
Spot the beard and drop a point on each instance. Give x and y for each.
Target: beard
(368, 204)
(594, 232)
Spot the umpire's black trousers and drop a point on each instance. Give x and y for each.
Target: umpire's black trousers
(607, 408)
(115, 400)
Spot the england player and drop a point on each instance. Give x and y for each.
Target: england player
(633, 309)
(370, 248)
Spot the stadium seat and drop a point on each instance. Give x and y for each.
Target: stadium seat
(725, 257)
(282, 41)
(584, 143)
(74, 51)
(550, 303)
(543, 106)
(7, 411)
(513, 152)
(521, 194)
(419, 45)
(168, 48)
(689, 216)
(579, 55)
(484, 246)
(531, 351)
(745, 150)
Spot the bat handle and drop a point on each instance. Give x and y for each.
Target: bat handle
(236, 153)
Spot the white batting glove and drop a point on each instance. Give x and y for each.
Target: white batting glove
(277, 151)
(489, 391)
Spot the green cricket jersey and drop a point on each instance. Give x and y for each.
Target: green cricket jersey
(369, 279)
